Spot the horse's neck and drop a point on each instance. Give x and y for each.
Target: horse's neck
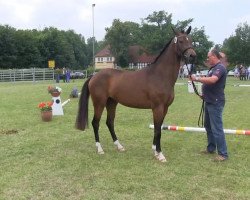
(168, 65)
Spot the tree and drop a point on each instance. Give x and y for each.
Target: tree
(65, 47)
(8, 49)
(120, 36)
(57, 47)
(153, 34)
(156, 31)
(28, 54)
(161, 18)
(89, 50)
(201, 44)
(237, 47)
(32, 48)
(79, 49)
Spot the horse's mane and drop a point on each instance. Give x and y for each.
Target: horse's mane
(166, 46)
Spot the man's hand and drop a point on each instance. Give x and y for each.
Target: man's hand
(193, 77)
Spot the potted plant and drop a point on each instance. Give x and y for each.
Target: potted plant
(54, 91)
(46, 110)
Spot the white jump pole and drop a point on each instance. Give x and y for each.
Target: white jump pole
(196, 129)
(243, 85)
(65, 102)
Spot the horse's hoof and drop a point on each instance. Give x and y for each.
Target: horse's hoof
(99, 148)
(163, 160)
(100, 152)
(121, 149)
(119, 146)
(160, 157)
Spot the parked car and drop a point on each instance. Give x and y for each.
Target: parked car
(202, 72)
(230, 73)
(91, 74)
(77, 75)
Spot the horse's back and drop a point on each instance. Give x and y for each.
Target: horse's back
(103, 78)
(126, 87)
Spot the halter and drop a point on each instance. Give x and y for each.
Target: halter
(176, 42)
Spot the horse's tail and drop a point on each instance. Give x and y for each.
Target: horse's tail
(82, 117)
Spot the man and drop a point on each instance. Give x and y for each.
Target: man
(214, 97)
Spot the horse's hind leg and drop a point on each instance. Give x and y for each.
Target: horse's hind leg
(111, 108)
(98, 109)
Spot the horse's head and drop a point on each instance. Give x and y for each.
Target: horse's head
(184, 47)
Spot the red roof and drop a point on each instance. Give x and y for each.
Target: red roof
(106, 52)
(137, 54)
(146, 58)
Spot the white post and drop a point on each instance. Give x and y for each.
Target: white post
(197, 129)
(93, 5)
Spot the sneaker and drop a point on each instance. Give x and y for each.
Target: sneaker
(206, 152)
(219, 158)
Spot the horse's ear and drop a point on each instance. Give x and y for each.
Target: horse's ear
(189, 29)
(175, 32)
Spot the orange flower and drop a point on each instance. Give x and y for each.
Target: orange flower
(45, 106)
(50, 103)
(41, 105)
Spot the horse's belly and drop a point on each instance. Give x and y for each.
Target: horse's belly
(136, 105)
(133, 101)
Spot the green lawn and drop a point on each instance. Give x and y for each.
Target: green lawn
(53, 160)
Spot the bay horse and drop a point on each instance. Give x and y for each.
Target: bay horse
(149, 88)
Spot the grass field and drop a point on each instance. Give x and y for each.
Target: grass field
(53, 160)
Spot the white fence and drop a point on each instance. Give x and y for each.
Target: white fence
(35, 74)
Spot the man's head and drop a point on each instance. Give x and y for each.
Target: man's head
(213, 57)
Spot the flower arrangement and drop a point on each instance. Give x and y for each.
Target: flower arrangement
(52, 89)
(45, 106)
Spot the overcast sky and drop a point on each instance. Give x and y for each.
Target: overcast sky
(219, 17)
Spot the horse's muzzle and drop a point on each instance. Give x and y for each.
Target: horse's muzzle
(190, 56)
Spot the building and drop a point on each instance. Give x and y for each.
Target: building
(138, 58)
(104, 59)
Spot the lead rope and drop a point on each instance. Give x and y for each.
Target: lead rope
(201, 116)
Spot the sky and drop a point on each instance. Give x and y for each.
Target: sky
(219, 18)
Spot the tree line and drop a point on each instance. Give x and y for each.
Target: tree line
(33, 48)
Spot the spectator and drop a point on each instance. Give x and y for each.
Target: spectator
(248, 70)
(57, 73)
(242, 72)
(236, 71)
(64, 74)
(67, 74)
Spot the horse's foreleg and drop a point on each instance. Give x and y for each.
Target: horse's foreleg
(158, 115)
(111, 108)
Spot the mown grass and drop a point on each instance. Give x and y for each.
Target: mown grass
(53, 160)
